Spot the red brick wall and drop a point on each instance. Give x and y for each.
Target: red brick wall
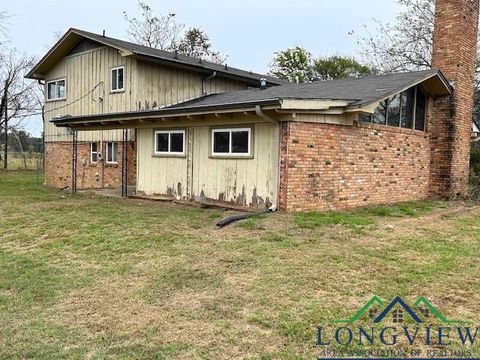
(454, 53)
(58, 167)
(329, 167)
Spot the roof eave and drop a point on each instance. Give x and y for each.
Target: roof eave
(447, 89)
(34, 74)
(164, 113)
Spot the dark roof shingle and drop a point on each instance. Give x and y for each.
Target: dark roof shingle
(358, 91)
(165, 56)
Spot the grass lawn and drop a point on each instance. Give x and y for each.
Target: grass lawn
(85, 276)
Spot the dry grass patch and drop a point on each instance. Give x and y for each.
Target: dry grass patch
(90, 277)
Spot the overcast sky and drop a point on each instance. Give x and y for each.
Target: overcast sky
(248, 31)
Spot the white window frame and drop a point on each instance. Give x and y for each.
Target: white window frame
(230, 131)
(56, 98)
(107, 152)
(169, 152)
(93, 152)
(123, 82)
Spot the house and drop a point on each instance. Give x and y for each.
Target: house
(120, 114)
(475, 129)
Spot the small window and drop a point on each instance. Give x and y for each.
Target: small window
(56, 90)
(117, 79)
(93, 153)
(112, 152)
(397, 316)
(170, 142)
(231, 142)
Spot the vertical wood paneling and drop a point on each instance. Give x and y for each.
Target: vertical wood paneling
(240, 181)
(145, 84)
(159, 175)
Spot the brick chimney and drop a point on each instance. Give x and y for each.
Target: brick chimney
(450, 124)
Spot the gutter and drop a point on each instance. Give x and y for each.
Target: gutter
(259, 112)
(179, 111)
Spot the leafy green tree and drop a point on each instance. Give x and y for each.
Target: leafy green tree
(297, 65)
(338, 67)
(293, 64)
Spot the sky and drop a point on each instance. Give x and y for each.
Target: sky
(249, 32)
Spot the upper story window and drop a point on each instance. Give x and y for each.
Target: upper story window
(234, 142)
(117, 79)
(56, 89)
(170, 142)
(406, 110)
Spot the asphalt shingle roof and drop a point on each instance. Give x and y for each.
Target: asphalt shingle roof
(176, 58)
(357, 91)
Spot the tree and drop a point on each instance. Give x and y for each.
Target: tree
(293, 64)
(18, 98)
(407, 44)
(163, 32)
(155, 31)
(196, 43)
(297, 65)
(338, 67)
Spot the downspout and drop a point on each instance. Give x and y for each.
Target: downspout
(209, 77)
(259, 112)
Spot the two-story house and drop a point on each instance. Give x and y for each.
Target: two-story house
(87, 74)
(187, 129)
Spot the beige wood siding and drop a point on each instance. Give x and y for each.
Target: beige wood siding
(248, 182)
(84, 72)
(159, 86)
(245, 182)
(146, 85)
(159, 175)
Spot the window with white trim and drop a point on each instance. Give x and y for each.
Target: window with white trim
(117, 79)
(170, 142)
(112, 152)
(93, 152)
(231, 142)
(56, 89)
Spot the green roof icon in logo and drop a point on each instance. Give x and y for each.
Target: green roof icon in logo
(375, 300)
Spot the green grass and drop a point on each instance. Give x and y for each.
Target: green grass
(31, 161)
(86, 276)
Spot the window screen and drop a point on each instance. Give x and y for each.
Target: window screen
(408, 98)
(170, 142)
(112, 152)
(393, 116)
(231, 142)
(221, 142)
(420, 110)
(240, 142)
(56, 89)
(117, 79)
(93, 153)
